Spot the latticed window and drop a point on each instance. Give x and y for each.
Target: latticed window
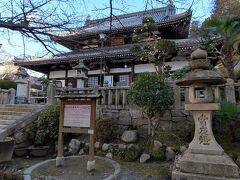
(124, 80)
(92, 81)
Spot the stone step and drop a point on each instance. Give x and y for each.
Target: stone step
(7, 122)
(16, 109)
(20, 106)
(3, 127)
(11, 113)
(8, 117)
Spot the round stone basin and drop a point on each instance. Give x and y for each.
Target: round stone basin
(74, 169)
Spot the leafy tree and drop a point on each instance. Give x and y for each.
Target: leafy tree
(179, 73)
(154, 50)
(229, 31)
(225, 8)
(151, 93)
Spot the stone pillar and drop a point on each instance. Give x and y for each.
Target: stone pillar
(12, 95)
(205, 158)
(177, 97)
(217, 95)
(51, 93)
(230, 91)
(22, 93)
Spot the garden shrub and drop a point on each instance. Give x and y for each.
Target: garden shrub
(227, 120)
(156, 153)
(7, 84)
(179, 73)
(153, 95)
(132, 152)
(104, 130)
(6, 175)
(47, 127)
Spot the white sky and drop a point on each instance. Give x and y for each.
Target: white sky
(15, 48)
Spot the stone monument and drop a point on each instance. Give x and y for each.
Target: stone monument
(204, 159)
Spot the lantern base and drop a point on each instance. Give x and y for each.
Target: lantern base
(205, 167)
(177, 175)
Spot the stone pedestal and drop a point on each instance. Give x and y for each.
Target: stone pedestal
(91, 165)
(59, 161)
(205, 158)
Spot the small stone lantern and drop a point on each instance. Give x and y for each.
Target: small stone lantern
(81, 74)
(204, 158)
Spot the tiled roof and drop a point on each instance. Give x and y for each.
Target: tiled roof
(160, 15)
(88, 54)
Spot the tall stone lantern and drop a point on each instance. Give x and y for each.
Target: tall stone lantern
(204, 159)
(81, 74)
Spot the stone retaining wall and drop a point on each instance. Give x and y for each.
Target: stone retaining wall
(134, 118)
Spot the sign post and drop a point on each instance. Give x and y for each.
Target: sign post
(77, 115)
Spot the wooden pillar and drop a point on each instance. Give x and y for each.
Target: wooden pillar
(117, 94)
(91, 132)
(60, 158)
(110, 94)
(124, 98)
(103, 100)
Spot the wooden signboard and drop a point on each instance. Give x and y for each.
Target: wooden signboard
(77, 115)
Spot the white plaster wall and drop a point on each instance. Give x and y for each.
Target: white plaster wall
(80, 83)
(120, 70)
(72, 73)
(92, 72)
(57, 74)
(140, 68)
(177, 64)
(63, 82)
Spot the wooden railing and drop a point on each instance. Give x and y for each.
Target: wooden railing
(7, 96)
(112, 97)
(116, 97)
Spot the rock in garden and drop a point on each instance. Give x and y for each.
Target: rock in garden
(182, 149)
(105, 147)
(199, 54)
(81, 152)
(157, 144)
(74, 146)
(20, 137)
(129, 136)
(109, 155)
(97, 145)
(144, 157)
(122, 147)
(170, 154)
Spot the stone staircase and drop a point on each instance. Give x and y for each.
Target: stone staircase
(14, 117)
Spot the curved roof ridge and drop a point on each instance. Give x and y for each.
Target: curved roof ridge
(138, 13)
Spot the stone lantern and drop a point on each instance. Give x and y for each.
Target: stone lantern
(204, 158)
(81, 74)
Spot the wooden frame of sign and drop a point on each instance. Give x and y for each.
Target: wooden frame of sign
(77, 115)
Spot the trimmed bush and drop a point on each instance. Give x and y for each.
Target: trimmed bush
(104, 130)
(47, 127)
(7, 84)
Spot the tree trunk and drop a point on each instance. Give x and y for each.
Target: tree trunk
(228, 62)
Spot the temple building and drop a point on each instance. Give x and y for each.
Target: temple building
(105, 53)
